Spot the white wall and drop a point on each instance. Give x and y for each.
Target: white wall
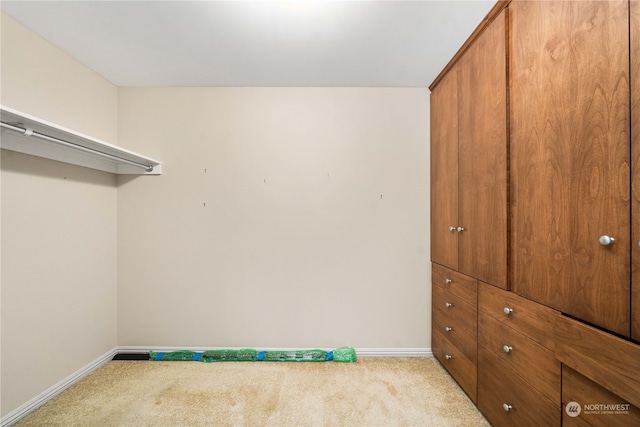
(58, 225)
(285, 217)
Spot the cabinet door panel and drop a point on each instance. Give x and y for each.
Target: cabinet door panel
(592, 397)
(444, 172)
(635, 152)
(482, 87)
(570, 173)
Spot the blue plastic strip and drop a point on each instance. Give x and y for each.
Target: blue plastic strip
(159, 356)
(329, 355)
(196, 356)
(261, 355)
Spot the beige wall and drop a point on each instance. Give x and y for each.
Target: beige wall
(58, 225)
(285, 217)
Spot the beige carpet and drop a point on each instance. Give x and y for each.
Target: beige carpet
(369, 392)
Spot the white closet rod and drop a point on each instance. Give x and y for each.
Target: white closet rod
(31, 132)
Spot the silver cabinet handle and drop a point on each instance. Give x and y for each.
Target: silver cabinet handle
(448, 356)
(448, 329)
(460, 229)
(507, 348)
(447, 281)
(606, 240)
(452, 228)
(507, 407)
(508, 310)
(448, 304)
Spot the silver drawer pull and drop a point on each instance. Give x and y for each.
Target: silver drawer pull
(448, 329)
(507, 348)
(448, 304)
(606, 240)
(452, 228)
(447, 281)
(508, 310)
(460, 229)
(507, 407)
(448, 356)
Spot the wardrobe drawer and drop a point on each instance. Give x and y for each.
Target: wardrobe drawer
(462, 286)
(506, 400)
(462, 369)
(536, 364)
(597, 406)
(455, 309)
(610, 361)
(530, 318)
(457, 332)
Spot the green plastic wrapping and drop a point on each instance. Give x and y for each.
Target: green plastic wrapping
(244, 355)
(295, 356)
(181, 355)
(344, 354)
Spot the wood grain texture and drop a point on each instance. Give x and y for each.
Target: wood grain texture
(530, 408)
(634, 14)
(458, 322)
(535, 364)
(570, 172)
(462, 286)
(482, 103)
(444, 172)
(612, 362)
(463, 314)
(463, 370)
(534, 320)
(578, 388)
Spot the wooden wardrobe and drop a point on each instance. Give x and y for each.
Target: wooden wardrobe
(535, 207)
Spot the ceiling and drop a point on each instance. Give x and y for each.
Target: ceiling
(256, 43)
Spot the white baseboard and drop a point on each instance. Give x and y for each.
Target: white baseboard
(360, 352)
(42, 398)
(15, 415)
(394, 352)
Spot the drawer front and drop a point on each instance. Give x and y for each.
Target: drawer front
(462, 369)
(456, 332)
(455, 309)
(610, 361)
(458, 284)
(496, 388)
(592, 400)
(536, 364)
(527, 317)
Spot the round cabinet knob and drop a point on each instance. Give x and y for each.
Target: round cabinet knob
(448, 329)
(606, 240)
(448, 356)
(448, 304)
(452, 228)
(507, 348)
(460, 229)
(447, 281)
(507, 407)
(508, 310)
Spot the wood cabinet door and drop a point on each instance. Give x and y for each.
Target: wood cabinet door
(482, 106)
(635, 164)
(444, 171)
(570, 157)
